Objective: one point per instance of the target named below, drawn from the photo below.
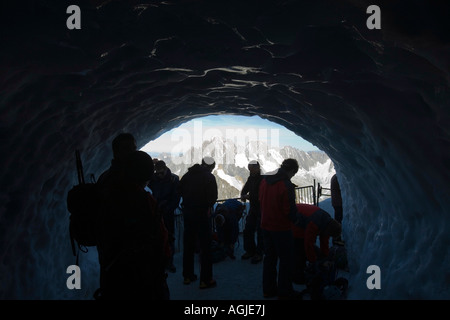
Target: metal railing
(308, 194)
(322, 192)
(304, 194)
(179, 223)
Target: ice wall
(375, 101)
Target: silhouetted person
(250, 191)
(198, 189)
(336, 198)
(314, 267)
(278, 212)
(122, 145)
(164, 187)
(316, 223)
(228, 230)
(133, 238)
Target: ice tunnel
(375, 100)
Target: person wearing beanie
(198, 190)
(250, 191)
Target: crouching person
(312, 222)
(228, 228)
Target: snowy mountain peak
(232, 159)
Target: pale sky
(195, 131)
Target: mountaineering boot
(188, 280)
(247, 255)
(210, 284)
(256, 258)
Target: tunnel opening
(211, 140)
(233, 141)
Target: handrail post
(314, 193)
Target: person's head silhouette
(139, 167)
(122, 145)
(254, 167)
(290, 166)
(209, 163)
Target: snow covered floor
(236, 279)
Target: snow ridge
(232, 159)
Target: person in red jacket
(313, 222)
(278, 212)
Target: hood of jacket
(280, 175)
(196, 168)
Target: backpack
(84, 202)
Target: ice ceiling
(376, 101)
